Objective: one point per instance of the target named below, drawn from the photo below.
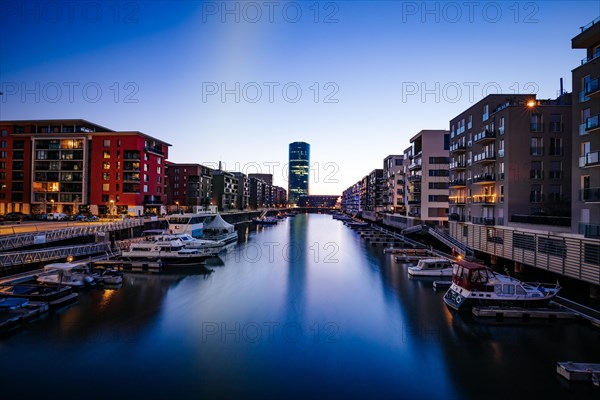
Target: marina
(299, 309)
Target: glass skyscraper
(299, 166)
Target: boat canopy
(471, 275)
(218, 225)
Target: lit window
(106, 187)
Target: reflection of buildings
(299, 166)
(67, 165)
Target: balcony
(488, 156)
(456, 217)
(155, 150)
(456, 165)
(482, 221)
(484, 199)
(541, 220)
(152, 200)
(590, 160)
(536, 174)
(413, 178)
(590, 195)
(583, 97)
(414, 201)
(592, 88)
(590, 58)
(582, 131)
(457, 200)
(416, 164)
(458, 147)
(482, 179)
(457, 183)
(591, 124)
(484, 136)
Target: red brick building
(189, 187)
(75, 165)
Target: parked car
(15, 216)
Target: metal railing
(51, 254)
(10, 242)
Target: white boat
(191, 223)
(70, 274)
(220, 230)
(431, 267)
(169, 252)
(211, 246)
(108, 277)
(474, 284)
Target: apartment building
(74, 165)
(586, 133)
(189, 186)
(393, 175)
(224, 190)
(243, 194)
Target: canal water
(303, 309)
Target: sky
(238, 81)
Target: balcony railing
(484, 136)
(592, 87)
(154, 149)
(590, 160)
(457, 183)
(582, 131)
(414, 201)
(590, 58)
(414, 178)
(536, 174)
(590, 195)
(484, 157)
(541, 220)
(583, 97)
(458, 147)
(458, 165)
(456, 217)
(482, 178)
(592, 123)
(482, 220)
(457, 200)
(588, 26)
(483, 199)
(536, 127)
(415, 164)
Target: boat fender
(459, 299)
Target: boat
(431, 267)
(107, 276)
(475, 284)
(357, 224)
(219, 230)
(72, 274)
(265, 221)
(33, 292)
(342, 217)
(211, 246)
(169, 252)
(190, 223)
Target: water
(304, 309)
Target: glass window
(106, 143)
(106, 187)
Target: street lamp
(112, 207)
(177, 204)
(52, 206)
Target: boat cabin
(472, 276)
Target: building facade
(75, 166)
(299, 168)
(224, 190)
(189, 187)
(586, 134)
(427, 176)
(393, 175)
(243, 194)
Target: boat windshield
(179, 220)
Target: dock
(579, 372)
(11, 318)
(524, 313)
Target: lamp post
(112, 207)
(52, 205)
(177, 204)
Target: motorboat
(108, 276)
(431, 267)
(475, 284)
(357, 224)
(342, 217)
(171, 251)
(211, 246)
(72, 274)
(36, 292)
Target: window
(118, 176)
(106, 165)
(158, 170)
(501, 127)
(555, 146)
(118, 142)
(145, 188)
(536, 123)
(106, 187)
(555, 123)
(3, 154)
(552, 247)
(537, 147)
(535, 196)
(105, 198)
(470, 123)
(4, 133)
(486, 110)
(146, 157)
(146, 167)
(106, 142)
(439, 160)
(555, 170)
(439, 172)
(3, 144)
(555, 193)
(146, 178)
(158, 179)
(536, 170)
(106, 176)
(106, 154)
(522, 241)
(501, 197)
(439, 185)
(158, 160)
(117, 188)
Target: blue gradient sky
(165, 55)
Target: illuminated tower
(299, 166)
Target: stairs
(451, 242)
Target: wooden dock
(579, 372)
(524, 313)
